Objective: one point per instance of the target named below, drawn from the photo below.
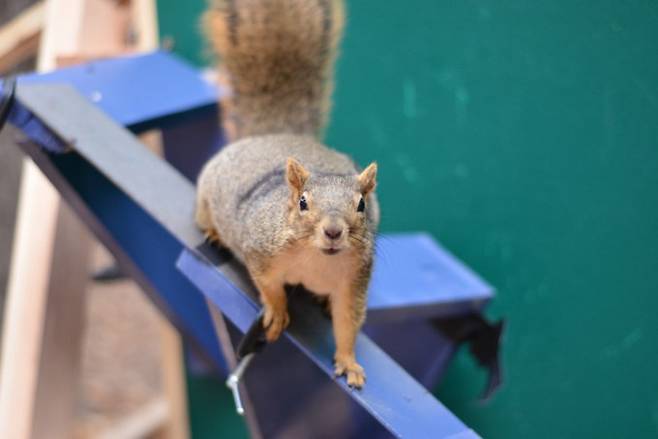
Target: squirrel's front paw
(347, 365)
(274, 322)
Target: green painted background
(524, 136)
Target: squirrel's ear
(296, 175)
(368, 178)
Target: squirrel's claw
(356, 377)
(212, 236)
(274, 323)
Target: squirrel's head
(332, 212)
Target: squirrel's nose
(333, 232)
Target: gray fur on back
(247, 192)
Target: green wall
(524, 136)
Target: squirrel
(291, 209)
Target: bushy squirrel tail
(278, 58)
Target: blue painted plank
(400, 403)
(189, 145)
(391, 395)
(415, 276)
(137, 89)
(143, 248)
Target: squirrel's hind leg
(203, 220)
(325, 304)
(212, 236)
(275, 306)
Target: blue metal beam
(402, 405)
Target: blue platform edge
(419, 254)
(416, 277)
(401, 404)
(138, 92)
(416, 412)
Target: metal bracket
(252, 343)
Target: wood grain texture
(44, 318)
(19, 39)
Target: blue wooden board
(136, 90)
(391, 395)
(415, 277)
(400, 403)
(145, 250)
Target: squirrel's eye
(362, 205)
(303, 205)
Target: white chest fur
(320, 273)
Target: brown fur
(278, 57)
(301, 43)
